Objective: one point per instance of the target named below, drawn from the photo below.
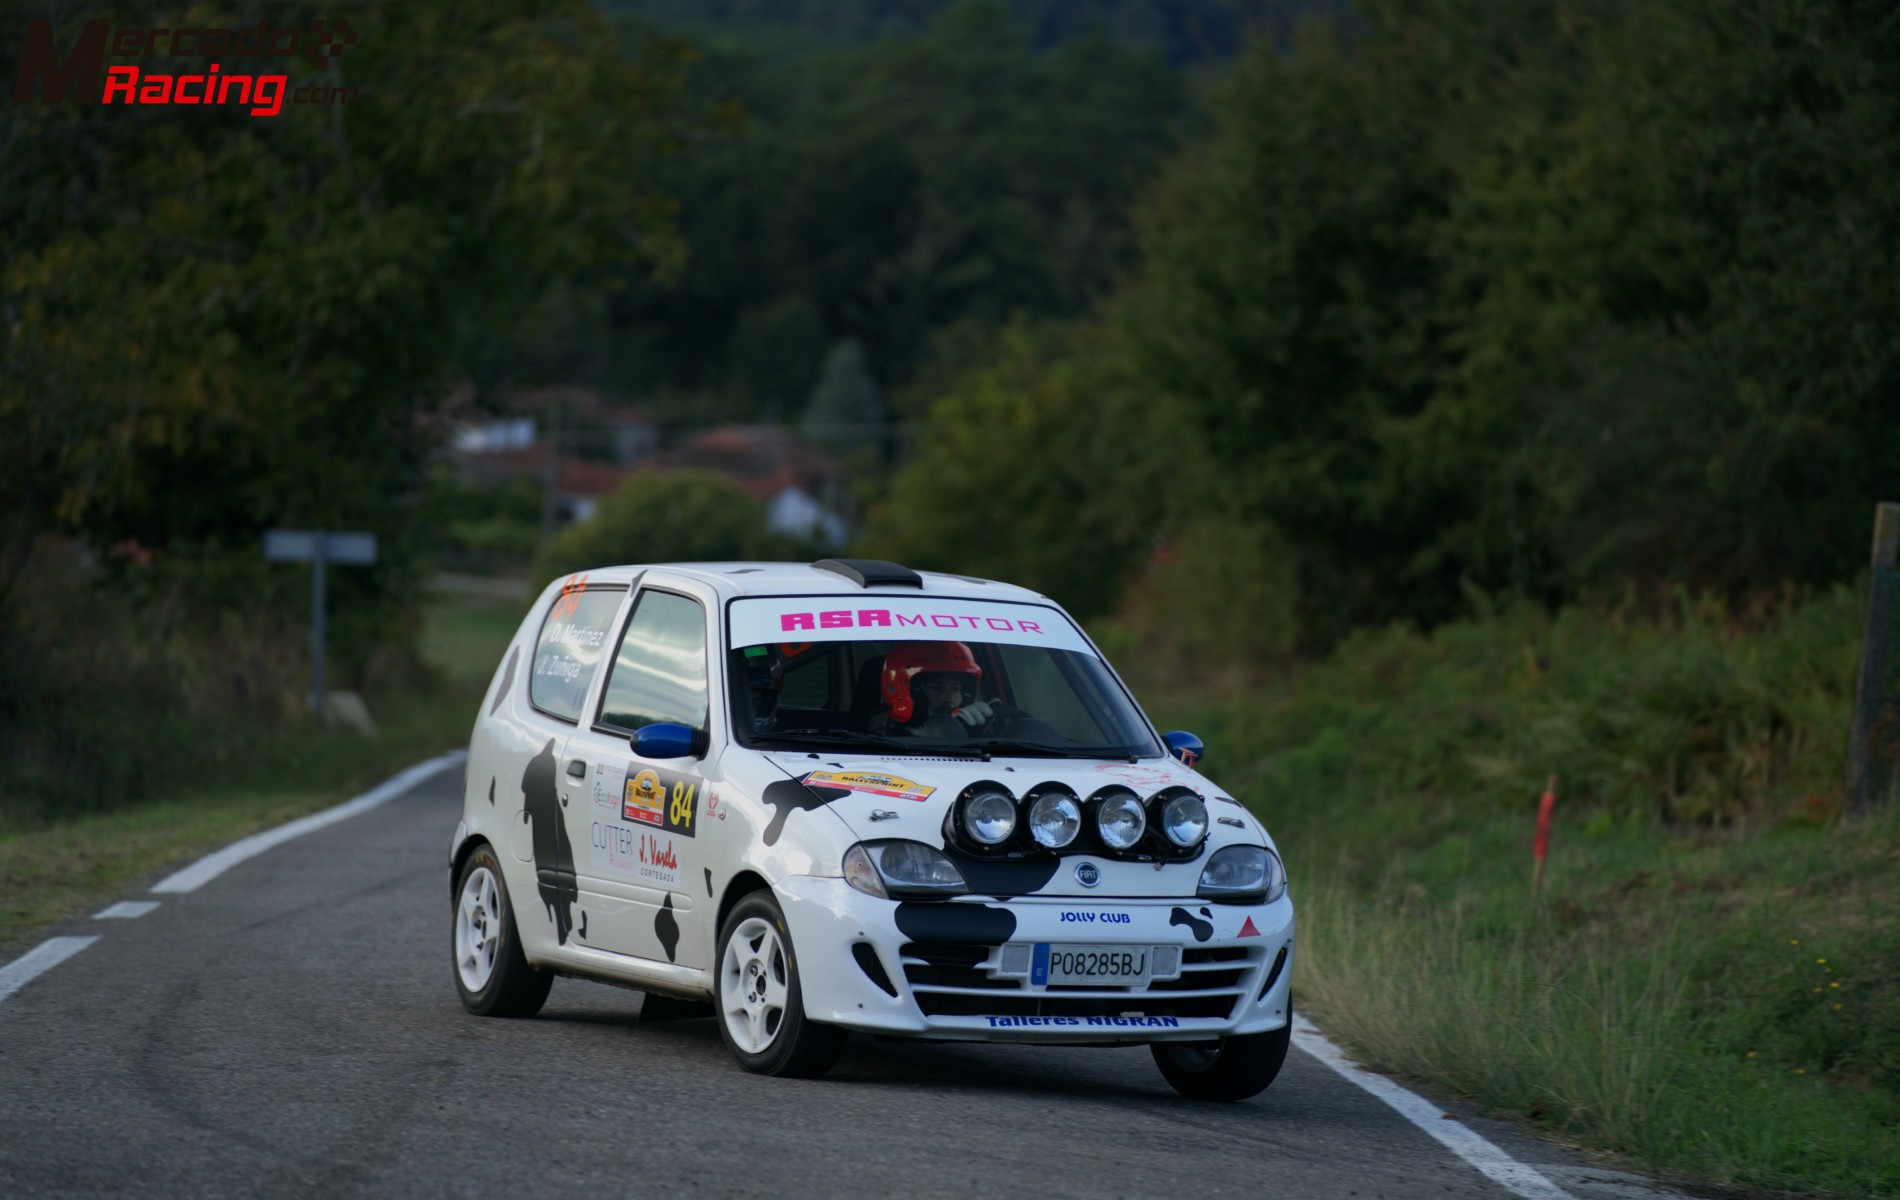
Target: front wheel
(761, 1006)
(1229, 1068)
(491, 973)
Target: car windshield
(924, 694)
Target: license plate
(1113, 966)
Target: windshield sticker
(660, 799)
(872, 783)
(768, 621)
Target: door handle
(576, 769)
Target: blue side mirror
(1185, 746)
(666, 739)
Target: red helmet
(904, 663)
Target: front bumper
(941, 959)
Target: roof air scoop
(871, 572)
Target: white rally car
(851, 796)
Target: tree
(846, 411)
(215, 323)
(671, 516)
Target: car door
(640, 827)
(573, 640)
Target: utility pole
(1871, 698)
(552, 477)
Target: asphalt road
(291, 1029)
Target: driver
(930, 689)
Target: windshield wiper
(1028, 749)
(861, 738)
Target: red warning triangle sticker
(1248, 930)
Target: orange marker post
(1540, 845)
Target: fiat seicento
(812, 799)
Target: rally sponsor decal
(606, 796)
(1083, 1022)
(772, 620)
(1070, 917)
(631, 851)
(872, 783)
(660, 799)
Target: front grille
(952, 980)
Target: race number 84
(679, 813)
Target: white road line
(40, 959)
(125, 910)
(1509, 1174)
(217, 863)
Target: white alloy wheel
(755, 985)
(477, 929)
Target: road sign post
(319, 547)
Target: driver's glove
(978, 713)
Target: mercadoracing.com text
(263, 91)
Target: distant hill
(1184, 31)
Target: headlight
(1243, 873)
(989, 818)
(1120, 820)
(1184, 819)
(887, 869)
(1054, 819)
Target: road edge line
(39, 960)
(195, 876)
(1520, 1179)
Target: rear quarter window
(573, 640)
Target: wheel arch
(738, 888)
(459, 859)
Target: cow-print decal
(553, 855)
(968, 924)
(1202, 930)
(507, 681)
(788, 796)
(1004, 877)
(709, 890)
(491, 789)
(667, 928)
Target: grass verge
(51, 871)
(1709, 983)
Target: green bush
(1709, 980)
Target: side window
(572, 643)
(660, 672)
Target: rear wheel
(1229, 1068)
(491, 973)
(761, 1008)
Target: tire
(760, 1005)
(491, 973)
(1233, 1068)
